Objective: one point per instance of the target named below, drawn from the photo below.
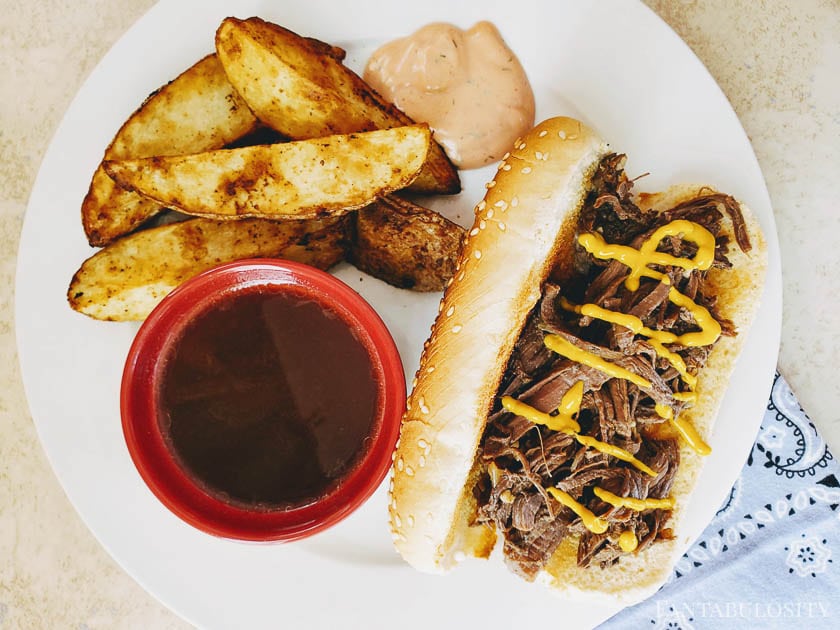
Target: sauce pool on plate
(467, 85)
(268, 399)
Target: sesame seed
(502, 226)
(514, 202)
(440, 306)
(506, 167)
(521, 145)
(461, 276)
(506, 155)
(423, 407)
(397, 520)
(409, 471)
(457, 328)
(526, 170)
(477, 254)
(482, 224)
(422, 461)
(481, 205)
(430, 369)
(543, 133)
(400, 464)
(474, 232)
(490, 184)
(538, 155)
(562, 134)
(421, 443)
(410, 520)
(490, 212)
(449, 311)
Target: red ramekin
(139, 401)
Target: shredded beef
(523, 459)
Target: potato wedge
(406, 245)
(303, 179)
(293, 86)
(125, 280)
(197, 111)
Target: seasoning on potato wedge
(294, 85)
(125, 280)
(197, 111)
(303, 179)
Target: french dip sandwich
(564, 399)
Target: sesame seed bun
(523, 231)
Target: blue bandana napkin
(771, 556)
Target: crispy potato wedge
(293, 86)
(302, 179)
(125, 280)
(406, 245)
(197, 111)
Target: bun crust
(528, 212)
(523, 230)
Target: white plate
(613, 64)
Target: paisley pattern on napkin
(769, 558)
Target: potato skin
(298, 86)
(197, 111)
(125, 280)
(406, 245)
(302, 179)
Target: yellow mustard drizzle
(628, 541)
(639, 259)
(570, 404)
(637, 505)
(709, 328)
(562, 346)
(617, 452)
(686, 430)
(555, 423)
(631, 322)
(593, 523)
(679, 365)
(686, 396)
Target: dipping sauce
(467, 85)
(267, 399)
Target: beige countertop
(776, 61)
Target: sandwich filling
(583, 439)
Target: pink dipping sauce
(467, 85)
